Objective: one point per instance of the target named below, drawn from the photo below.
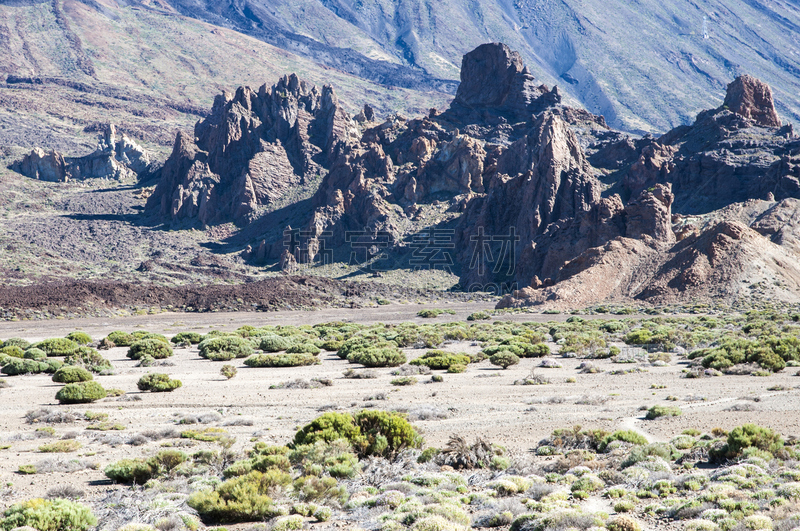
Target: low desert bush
(182, 338)
(225, 348)
(66, 446)
(154, 348)
(228, 371)
(17, 366)
(504, 359)
(378, 357)
(89, 359)
(441, 360)
(274, 343)
(81, 338)
(752, 436)
(139, 471)
(624, 436)
(35, 354)
(663, 411)
(281, 360)
(24, 344)
(48, 515)
(80, 393)
(240, 499)
(370, 432)
(57, 346)
(121, 339)
(70, 374)
(303, 348)
(157, 383)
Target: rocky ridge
(532, 193)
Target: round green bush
(240, 499)
(663, 411)
(24, 344)
(303, 348)
(378, 357)
(81, 338)
(48, 515)
(225, 348)
(70, 374)
(157, 383)
(57, 346)
(186, 337)
(504, 359)
(17, 366)
(13, 351)
(281, 360)
(120, 338)
(274, 343)
(228, 371)
(138, 471)
(35, 354)
(144, 334)
(370, 432)
(154, 348)
(89, 359)
(751, 435)
(441, 360)
(81, 393)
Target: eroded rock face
(120, 159)
(251, 150)
(751, 98)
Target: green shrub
(65, 446)
(479, 316)
(274, 343)
(303, 348)
(138, 335)
(121, 339)
(137, 471)
(281, 360)
(225, 348)
(48, 515)
(663, 411)
(80, 393)
(57, 346)
(369, 432)
(16, 342)
(504, 359)
(622, 435)
(186, 337)
(89, 359)
(228, 371)
(69, 374)
(378, 357)
(157, 383)
(240, 499)
(441, 360)
(13, 351)
(641, 336)
(753, 436)
(403, 381)
(35, 354)
(152, 347)
(81, 338)
(17, 366)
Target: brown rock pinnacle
(751, 98)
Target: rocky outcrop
(540, 179)
(496, 84)
(254, 148)
(116, 158)
(751, 98)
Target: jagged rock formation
(532, 193)
(730, 154)
(251, 150)
(119, 159)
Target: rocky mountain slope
(507, 188)
(69, 68)
(649, 65)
